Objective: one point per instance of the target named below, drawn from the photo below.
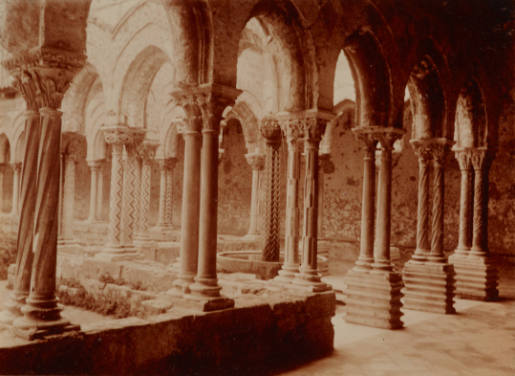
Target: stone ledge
(183, 342)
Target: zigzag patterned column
(271, 131)
(147, 152)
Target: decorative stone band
(123, 135)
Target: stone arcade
(350, 150)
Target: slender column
(257, 163)
(147, 153)
(313, 130)
(2, 176)
(465, 229)
(326, 167)
(24, 240)
(424, 154)
(271, 131)
(68, 198)
(437, 228)
(100, 191)
(293, 130)
(130, 191)
(116, 136)
(366, 250)
(481, 164)
(15, 209)
(206, 283)
(42, 313)
(190, 191)
(384, 200)
(94, 167)
(166, 192)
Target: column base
(41, 319)
(183, 283)
(285, 276)
(428, 287)
(373, 298)
(476, 276)
(207, 297)
(310, 281)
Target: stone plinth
(476, 277)
(373, 298)
(428, 287)
(262, 332)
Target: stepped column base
(428, 287)
(373, 298)
(476, 277)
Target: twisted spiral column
(439, 149)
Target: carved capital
(256, 161)
(270, 130)
(292, 127)
(386, 136)
(481, 158)
(431, 149)
(463, 158)
(167, 163)
(367, 136)
(313, 128)
(123, 135)
(147, 150)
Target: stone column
(2, 176)
(190, 191)
(130, 189)
(147, 153)
(481, 164)
(424, 154)
(117, 136)
(326, 168)
(373, 288)
(465, 229)
(293, 129)
(308, 276)
(384, 201)
(428, 278)
(27, 191)
(68, 199)
(212, 103)
(437, 228)
(257, 163)
(271, 131)
(166, 193)
(15, 210)
(366, 250)
(94, 167)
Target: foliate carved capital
(481, 158)
(147, 150)
(167, 163)
(314, 128)
(428, 149)
(292, 128)
(270, 130)
(386, 136)
(256, 161)
(367, 136)
(464, 160)
(123, 135)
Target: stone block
(373, 298)
(428, 287)
(477, 277)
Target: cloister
(359, 150)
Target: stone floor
(478, 340)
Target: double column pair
(373, 287)
(33, 309)
(428, 278)
(476, 271)
(197, 280)
(124, 142)
(307, 128)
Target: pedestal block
(429, 287)
(373, 298)
(476, 277)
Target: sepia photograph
(257, 187)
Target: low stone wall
(251, 338)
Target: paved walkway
(478, 340)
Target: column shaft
(465, 229)
(94, 168)
(146, 172)
(161, 215)
(437, 225)
(366, 251)
(68, 198)
(16, 189)
(190, 202)
(115, 197)
(480, 223)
